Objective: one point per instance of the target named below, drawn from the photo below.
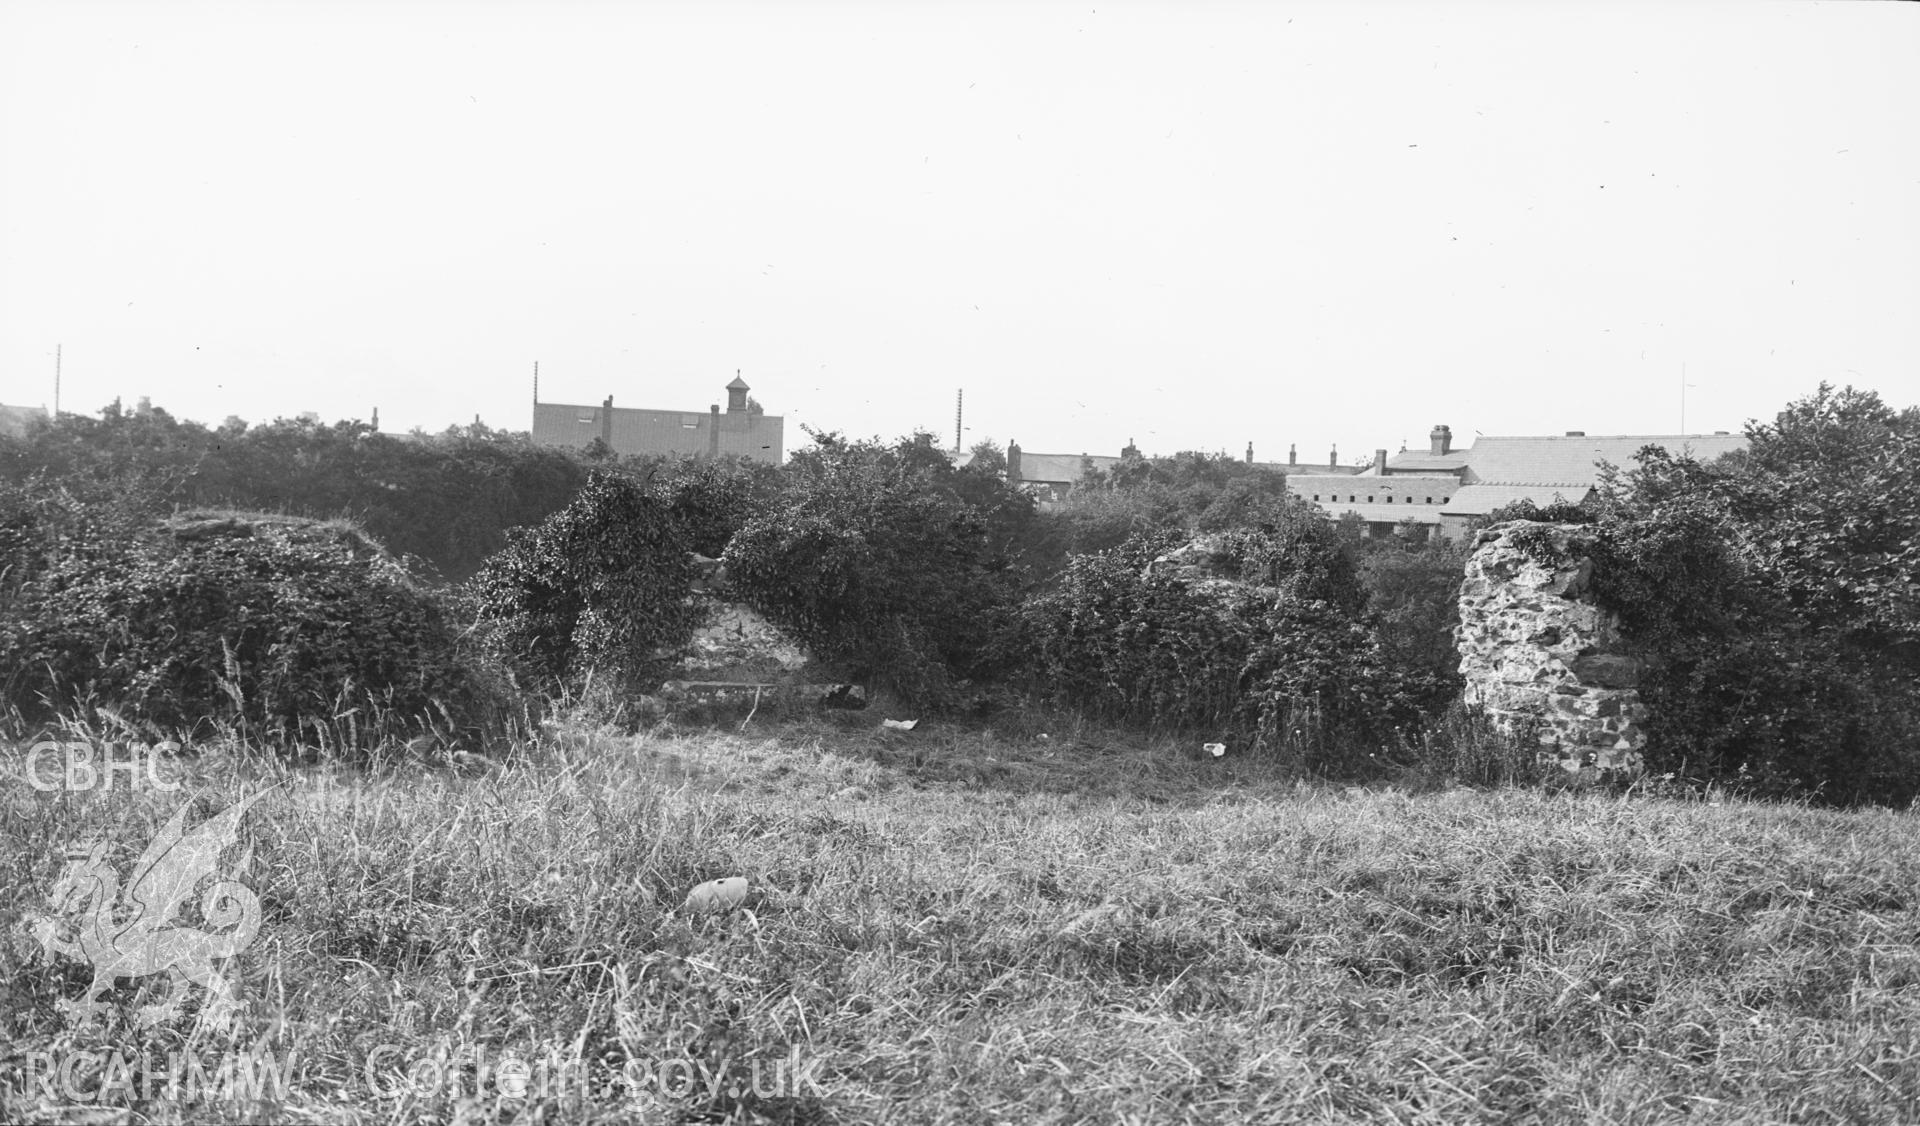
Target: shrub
(1257, 660)
(293, 633)
(1413, 598)
(709, 499)
(599, 587)
(874, 559)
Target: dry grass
(985, 926)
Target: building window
(1444, 500)
(1369, 498)
(1316, 496)
(1429, 500)
(1351, 498)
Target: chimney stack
(1380, 463)
(606, 422)
(1333, 457)
(1442, 439)
(1576, 433)
(1293, 454)
(1249, 453)
(1013, 461)
(713, 431)
(1130, 449)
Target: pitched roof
(1575, 460)
(15, 420)
(1425, 462)
(1478, 500)
(738, 384)
(1059, 468)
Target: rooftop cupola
(737, 394)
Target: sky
(1192, 226)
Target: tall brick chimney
(713, 431)
(1442, 440)
(606, 422)
(1333, 457)
(1293, 454)
(1013, 461)
(1380, 463)
(1249, 453)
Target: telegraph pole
(959, 402)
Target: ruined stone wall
(1538, 655)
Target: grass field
(977, 925)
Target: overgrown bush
(875, 558)
(1413, 599)
(1257, 662)
(599, 588)
(295, 634)
(1191, 492)
(709, 499)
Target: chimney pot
(1442, 440)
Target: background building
(1441, 488)
(15, 421)
(1051, 476)
(743, 430)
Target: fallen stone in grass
(718, 895)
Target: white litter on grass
(718, 895)
(900, 724)
(1215, 749)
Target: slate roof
(1409, 462)
(1421, 485)
(1574, 460)
(15, 420)
(1478, 500)
(1556, 459)
(1059, 469)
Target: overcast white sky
(1193, 225)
